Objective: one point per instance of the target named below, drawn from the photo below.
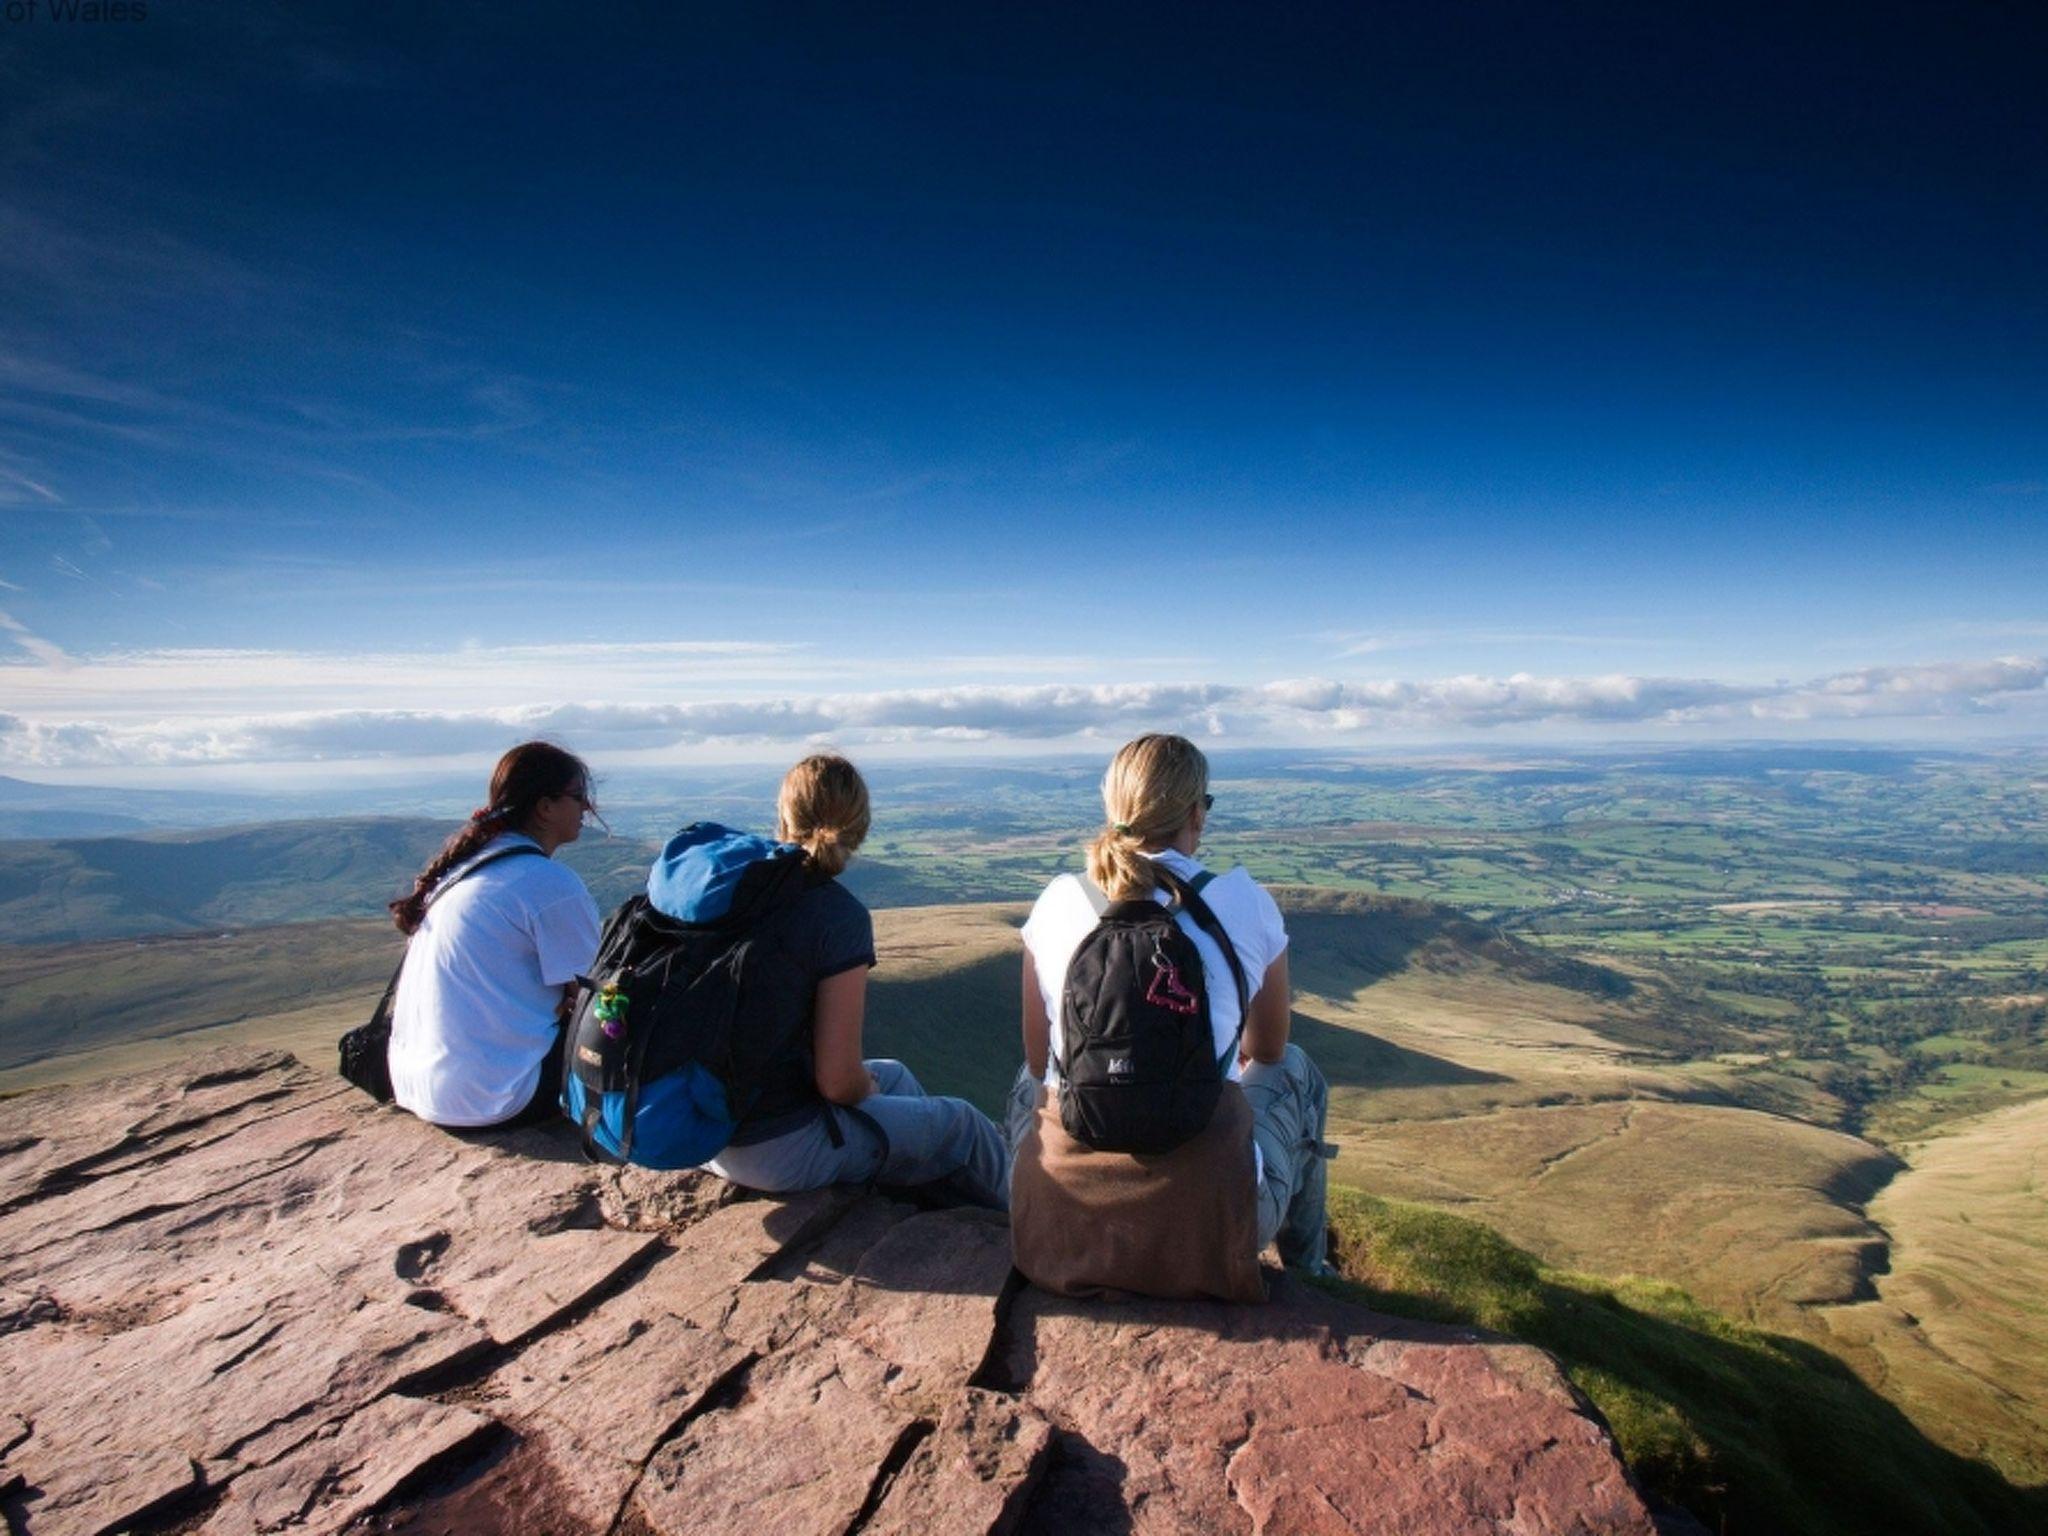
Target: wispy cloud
(2016, 629)
(1288, 710)
(1348, 643)
(45, 652)
(13, 482)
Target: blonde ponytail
(1153, 785)
(823, 807)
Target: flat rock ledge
(239, 1297)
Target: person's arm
(837, 1065)
(1265, 1032)
(1037, 1024)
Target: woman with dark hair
(496, 939)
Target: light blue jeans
(1290, 1102)
(901, 1135)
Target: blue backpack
(690, 1002)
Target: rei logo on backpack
(1138, 1066)
(689, 1003)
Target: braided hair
(525, 776)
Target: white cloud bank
(1297, 710)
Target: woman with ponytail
(496, 939)
(1156, 1222)
(830, 1115)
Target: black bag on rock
(366, 1049)
(1138, 1065)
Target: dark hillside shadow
(1337, 953)
(957, 1031)
(1345, 941)
(1352, 1058)
(1752, 1432)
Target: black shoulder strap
(1189, 894)
(511, 852)
(383, 1013)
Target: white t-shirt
(476, 1007)
(1063, 916)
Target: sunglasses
(1208, 802)
(581, 795)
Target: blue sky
(689, 381)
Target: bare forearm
(1266, 1031)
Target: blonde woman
(1137, 1221)
(828, 1114)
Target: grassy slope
(1751, 1431)
(1958, 1324)
(59, 1000)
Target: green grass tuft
(1751, 1431)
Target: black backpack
(366, 1049)
(1138, 1068)
(680, 1023)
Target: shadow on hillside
(1337, 954)
(1346, 941)
(1353, 1058)
(958, 1031)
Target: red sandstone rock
(237, 1298)
(973, 1475)
(347, 1470)
(1290, 1418)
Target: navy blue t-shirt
(826, 931)
(830, 931)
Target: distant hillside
(83, 889)
(32, 810)
(86, 889)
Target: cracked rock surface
(237, 1297)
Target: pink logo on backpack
(1168, 991)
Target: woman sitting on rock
(828, 1115)
(496, 939)
(1153, 1155)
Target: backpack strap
(382, 1017)
(493, 857)
(1189, 896)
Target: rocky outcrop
(241, 1298)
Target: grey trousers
(1290, 1102)
(901, 1135)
